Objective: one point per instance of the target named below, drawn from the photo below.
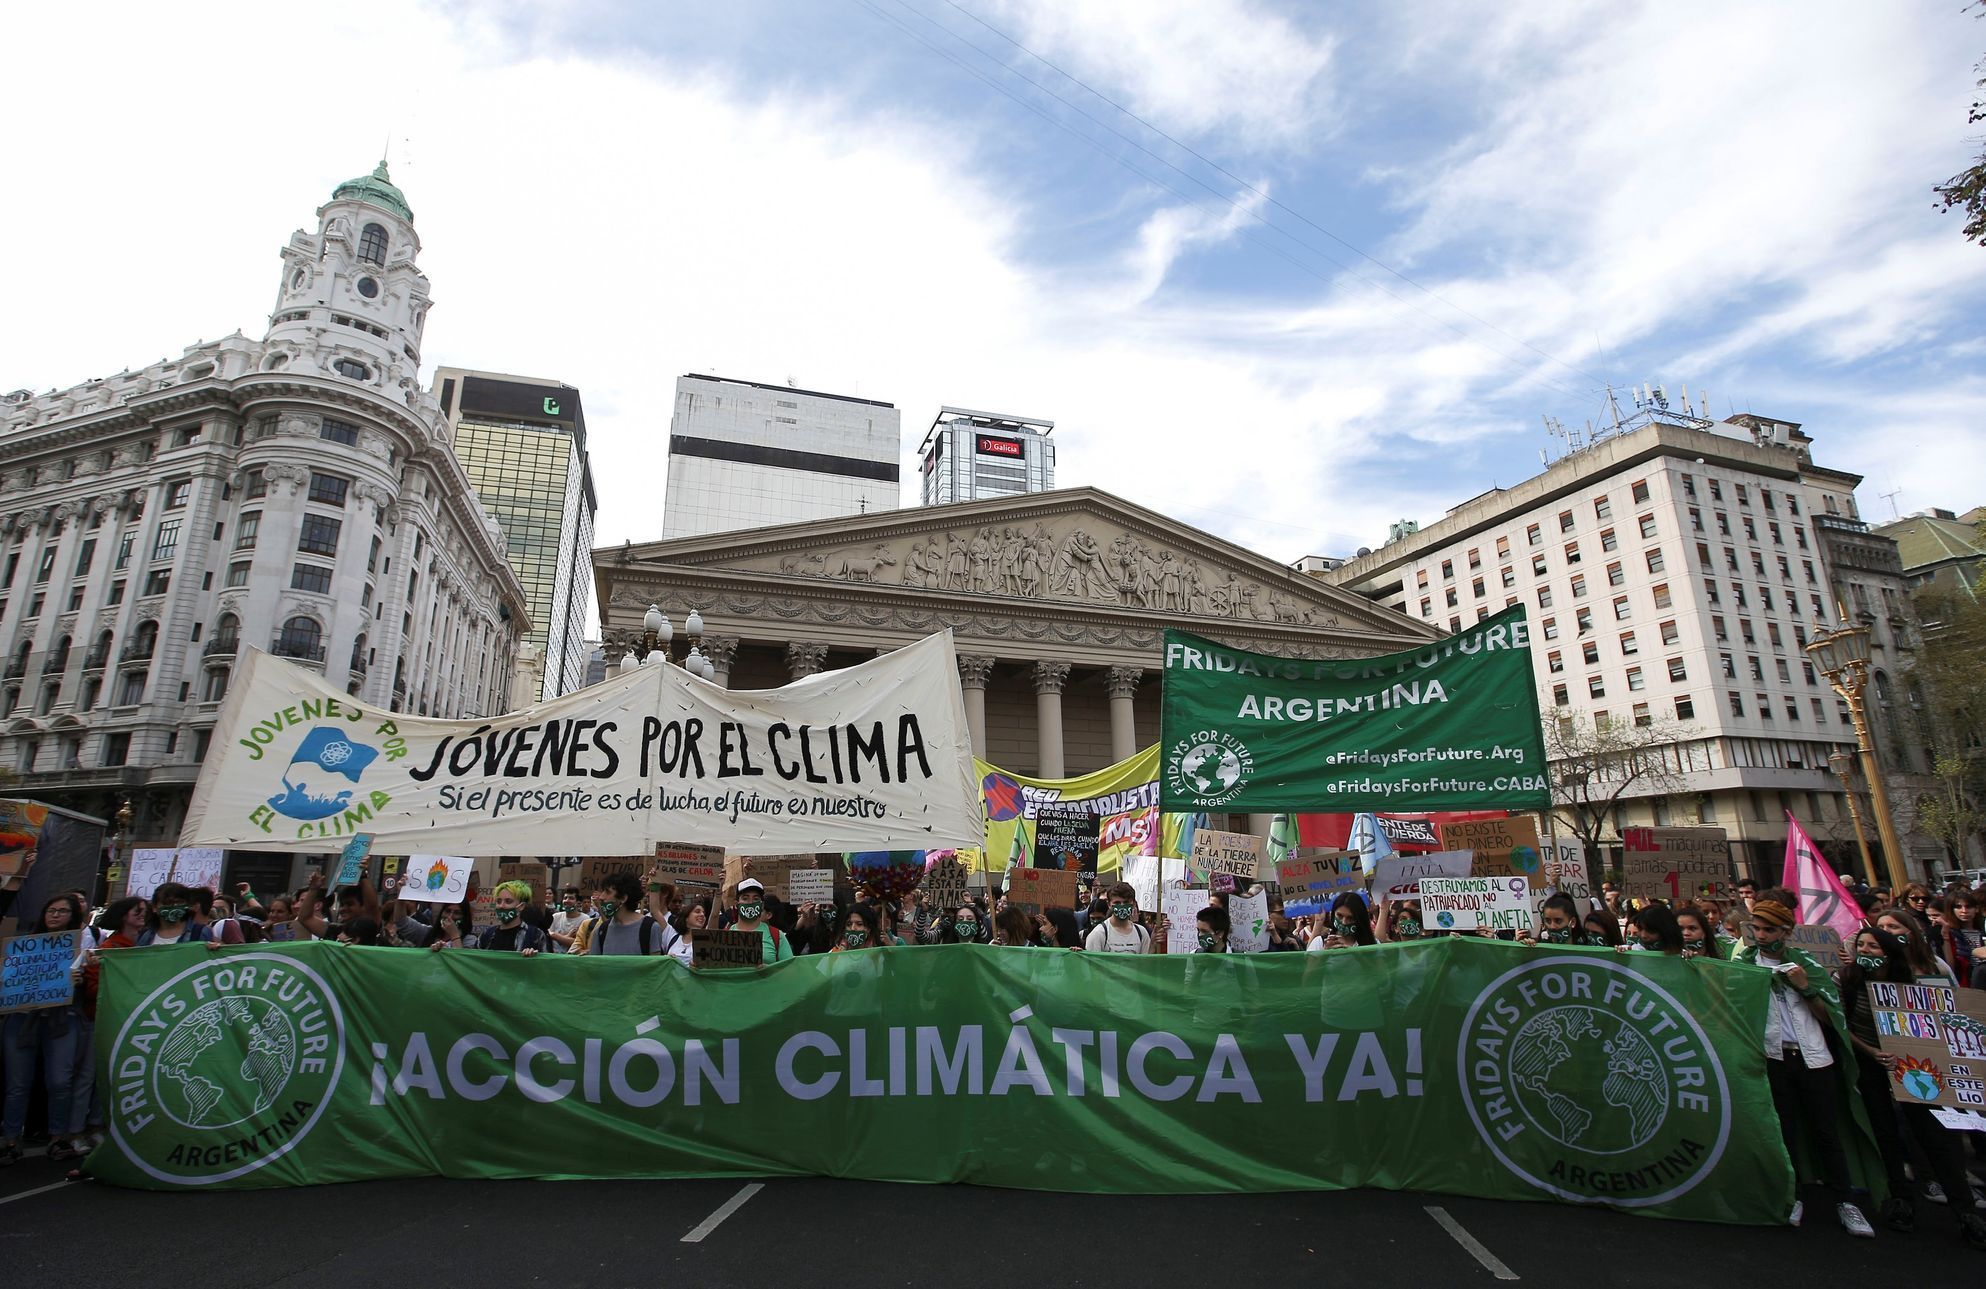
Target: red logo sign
(999, 447)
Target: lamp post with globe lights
(656, 643)
(1843, 657)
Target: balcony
(16, 668)
(297, 650)
(56, 664)
(222, 647)
(97, 658)
(139, 652)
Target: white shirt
(1106, 938)
(1788, 1020)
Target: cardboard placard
(727, 949)
(1066, 837)
(1502, 847)
(1566, 868)
(1938, 1034)
(1398, 877)
(776, 871)
(944, 885)
(599, 868)
(195, 866)
(1238, 854)
(810, 886)
(1313, 878)
(437, 879)
(531, 873)
(1182, 905)
(1469, 903)
(1677, 864)
(685, 865)
(34, 972)
(1036, 890)
(1819, 939)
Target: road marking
(1491, 1263)
(724, 1210)
(39, 1190)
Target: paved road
(797, 1233)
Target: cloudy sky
(1288, 271)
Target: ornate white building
(295, 493)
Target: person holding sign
(1656, 930)
(625, 927)
(1558, 919)
(1211, 929)
(170, 921)
(1799, 1066)
(1402, 921)
(965, 926)
(55, 1041)
(1880, 957)
(751, 917)
(1121, 932)
(1349, 923)
(1699, 934)
(451, 928)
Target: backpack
(597, 941)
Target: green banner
(1452, 725)
(1462, 1065)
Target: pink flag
(1823, 899)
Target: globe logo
(1920, 1078)
(1211, 769)
(225, 1067)
(1524, 859)
(1589, 1080)
(337, 753)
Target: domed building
(294, 493)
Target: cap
(1772, 913)
(751, 884)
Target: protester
(452, 927)
(54, 1042)
(857, 929)
(1880, 956)
(218, 916)
(966, 926)
(1748, 891)
(628, 926)
(1656, 930)
(360, 930)
(1800, 1068)
(567, 921)
(1602, 929)
(1211, 929)
(692, 916)
(1917, 898)
(1700, 939)
(1014, 928)
(511, 934)
(1558, 924)
(278, 921)
(1402, 921)
(170, 918)
(751, 917)
(1925, 966)
(1350, 923)
(1120, 931)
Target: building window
(1616, 576)
(1634, 679)
(1537, 566)
(1535, 535)
(1427, 605)
(1555, 662)
(177, 492)
(1596, 686)
(1475, 558)
(340, 431)
(1565, 521)
(1792, 709)
(1820, 711)
(1695, 519)
(1453, 599)
(1737, 702)
(256, 486)
(1764, 706)
(1678, 669)
(214, 687)
(1585, 621)
(1656, 564)
(1669, 632)
(237, 576)
(1589, 652)
(311, 577)
(328, 489)
(1560, 698)
(1503, 548)
(246, 530)
(1572, 552)
(319, 535)
(1723, 524)
(1716, 490)
(1640, 491)
(167, 540)
(116, 748)
(45, 569)
(157, 581)
(351, 369)
(1509, 576)
(1476, 588)
(1643, 720)
(1662, 600)
(131, 690)
(301, 638)
(1608, 542)
(116, 595)
(1730, 663)
(1620, 608)
(1629, 645)
(1807, 672)
(85, 556)
(1420, 574)
(1685, 708)
(1579, 586)
(1447, 565)
(1550, 628)
(1603, 508)
(372, 244)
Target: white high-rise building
(1672, 574)
(744, 455)
(974, 456)
(294, 494)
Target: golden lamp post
(1843, 765)
(1843, 657)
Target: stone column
(805, 657)
(975, 669)
(1049, 677)
(1123, 683)
(722, 651)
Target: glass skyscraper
(522, 442)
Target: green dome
(376, 188)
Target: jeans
(83, 1076)
(44, 1040)
(1810, 1099)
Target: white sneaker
(1935, 1193)
(1853, 1222)
(1799, 1211)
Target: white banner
(872, 757)
(1398, 876)
(437, 879)
(192, 867)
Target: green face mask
(1407, 929)
(1870, 962)
(1124, 912)
(507, 916)
(966, 928)
(1343, 929)
(1562, 935)
(854, 939)
(172, 914)
(751, 912)
(567, 908)
(607, 907)
(1206, 939)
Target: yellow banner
(1128, 788)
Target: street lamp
(656, 644)
(1843, 765)
(1843, 657)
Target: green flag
(1452, 725)
(1469, 1066)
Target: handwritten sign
(945, 884)
(1472, 903)
(1565, 869)
(727, 948)
(1238, 854)
(1037, 890)
(1502, 847)
(1313, 878)
(1398, 877)
(195, 866)
(1248, 923)
(810, 886)
(1066, 837)
(34, 971)
(594, 871)
(1819, 939)
(1677, 864)
(437, 879)
(684, 865)
(531, 873)
(1182, 905)
(1938, 1035)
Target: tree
(1949, 814)
(1595, 765)
(1951, 676)
(1966, 190)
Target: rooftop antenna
(1891, 497)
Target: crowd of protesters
(1920, 936)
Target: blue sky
(1733, 196)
